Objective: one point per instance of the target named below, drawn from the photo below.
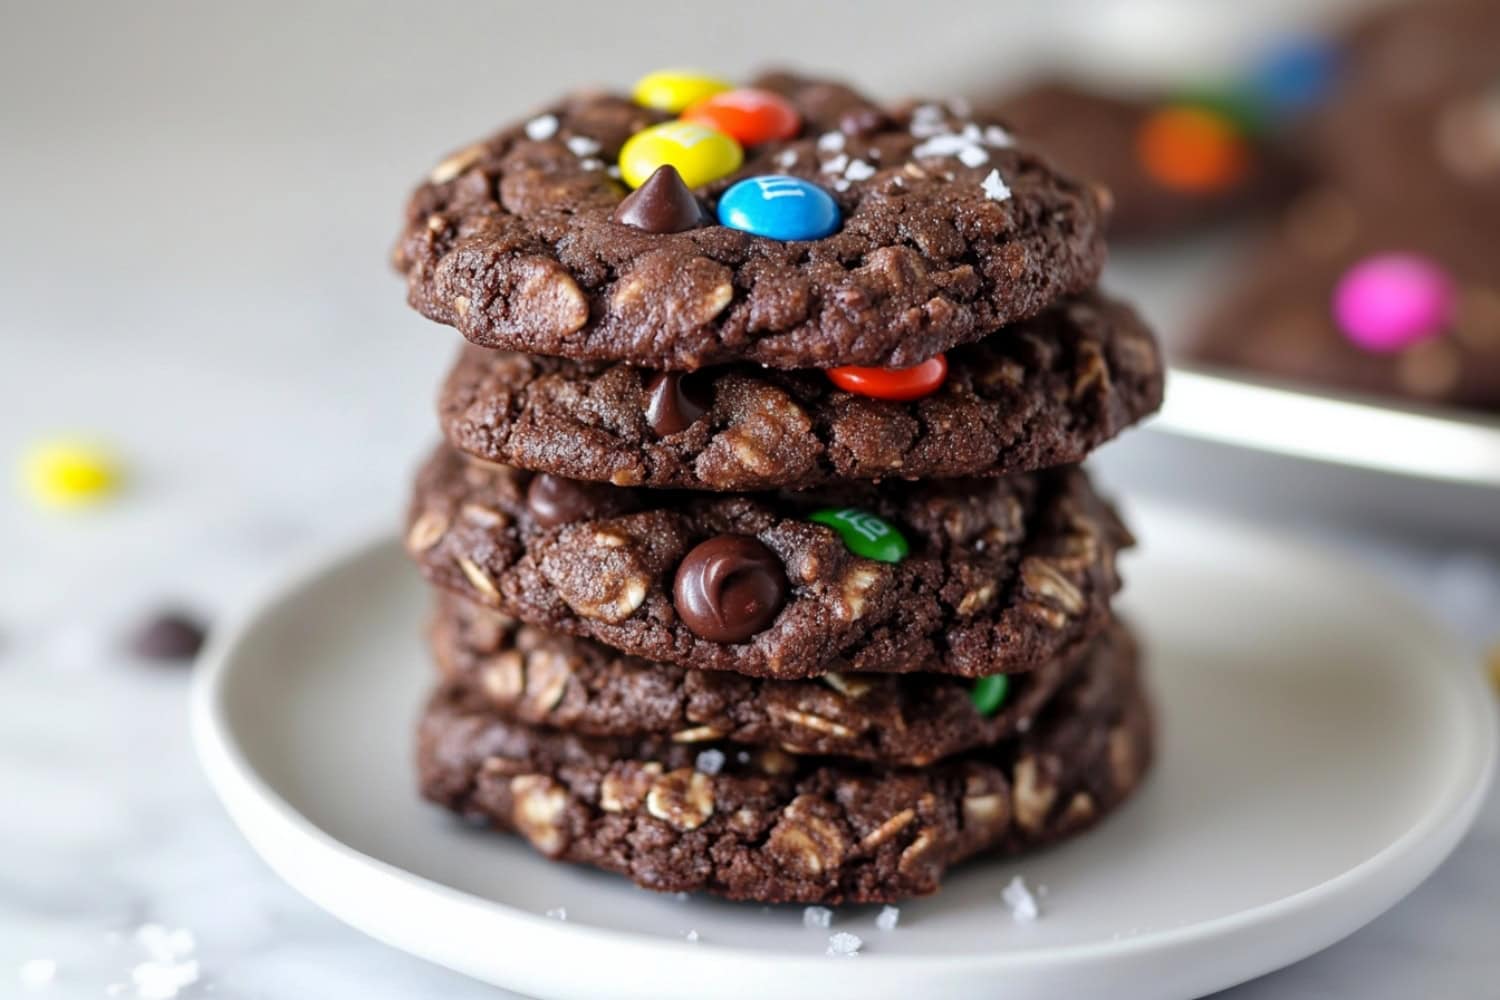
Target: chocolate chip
(729, 588)
(169, 635)
(663, 204)
(554, 500)
(675, 401)
(863, 120)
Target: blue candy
(780, 208)
(1296, 75)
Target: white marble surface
(196, 203)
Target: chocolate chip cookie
(943, 231)
(535, 677)
(1041, 393)
(968, 577)
(767, 826)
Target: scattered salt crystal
(743, 756)
(837, 164)
(817, 916)
(859, 170)
(844, 944)
(541, 127)
(613, 170)
(942, 144)
(841, 185)
(831, 142)
(691, 937)
(994, 187)
(888, 918)
(973, 156)
(1023, 908)
(558, 913)
(710, 761)
(37, 973)
(591, 163)
(927, 120)
(786, 158)
(157, 980)
(582, 145)
(994, 135)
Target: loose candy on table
(779, 208)
(701, 154)
(69, 473)
(750, 116)
(1391, 301)
(662, 205)
(1295, 75)
(672, 90)
(864, 534)
(899, 384)
(988, 693)
(1192, 149)
(729, 588)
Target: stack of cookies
(765, 564)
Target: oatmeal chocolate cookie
(945, 233)
(1169, 167)
(766, 826)
(969, 577)
(1044, 392)
(532, 676)
(1367, 299)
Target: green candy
(865, 534)
(989, 693)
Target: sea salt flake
(817, 916)
(945, 143)
(786, 158)
(37, 973)
(888, 918)
(837, 164)
(591, 163)
(994, 135)
(994, 187)
(831, 142)
(558, 913)
(710, 761)
(841, 184)
(582, 145)
(613, 170)
(844, 945)
(1023, 908)
(541, 127)
(973, 156)
(859, 170)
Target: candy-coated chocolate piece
(1192, 149)
(671, 90)
(988, 693)
(864, 534)
(662, 205)
(1391, 301)
(701, 154)
(750, 116)
(675, 401)
(729, 588)
(780, 208)
(69, 473)
(901, 384)
(1295, 75)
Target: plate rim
(262, 814)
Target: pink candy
(1390, 301)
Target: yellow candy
(69, 474)
(671, 90)
(700, 154)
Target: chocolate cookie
(943, 233)
(538, 678)
(1044, 392)
(770, 827)
(969, 577)
(1170, 166)
(1364, 298)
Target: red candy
(903, 384)
(751, 116)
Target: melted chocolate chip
(863, 120)
(675, 401)
(729, 588)
(663, 204)
(169, 635)
(554, 500)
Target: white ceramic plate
(1323, 748)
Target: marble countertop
(197, 200)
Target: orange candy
(1192, 149)
(751, 116)
(901, 384)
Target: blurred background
(198, 203)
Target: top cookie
(901, 232)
